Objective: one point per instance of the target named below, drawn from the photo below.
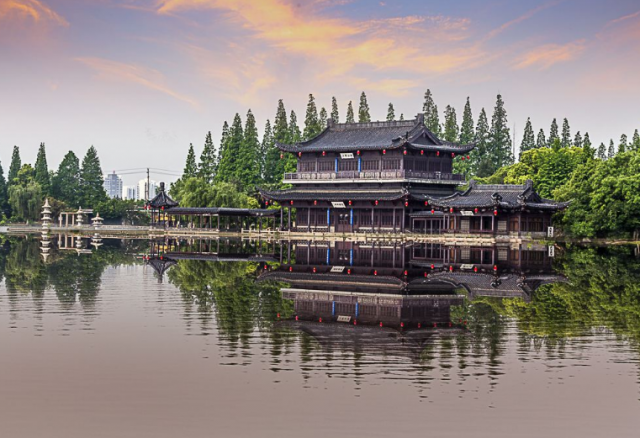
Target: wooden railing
(372, 175)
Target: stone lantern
(46, 214)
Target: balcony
(385, 175)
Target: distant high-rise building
(130, 192)
(113, 185)
(142, 189)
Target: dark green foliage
(65, 184)
(322, 118)
(541, 141)
(274, 165)
(195, 192)
(622, 147)
(553, 132)
(467, 133)
(15, 166)
(25, 195)
(450, 124)
(92, 180)
(223, 143)
(248, 168)
(190, 166)
(577, 140)
(43, 176)
(265, 147)
(586, 141)
(635, 142)
(229, 161)
(500, 137)
(335, 115)
(208, 160)
(312, 125)
(482, 164)
(528, 138)
(391, 114)
(611, 152)
(431, 117)
(350, 116)
(4, 200)
(602, 151)
(363, 109)
(565, 141)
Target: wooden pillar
(281, 218)
(403, 221)
(372, 223)
(394, 220)
(289, 220)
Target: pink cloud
(33, 10)
(543, 57)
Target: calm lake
(225, 338)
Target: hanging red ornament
(281, 156)
(451, 210)
(433, 211)
(404, 152)
(350, 202)
(475, 210)
(437, 153)
(468, 157)
(291, 202)
(421, 152)
(315, 202)
(357, 152)
(495, 212)
(426, 203)
(406, 203)
(453, 155)
(384, 151)
(299, 154)
(376, 202)
(324, 153)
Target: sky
(142, 79)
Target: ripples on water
(201, 351)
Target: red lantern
(451, 210)
(265, 267)
(299, 154)
(468, 157)
(162, 208)
(319, 319)
(324, 153)
(475, 269)
(453, 155)
(291, 202)
(266, 203)
(433, 211)
(450, 268)
(406, 203)
(290, 268)
(350, 203)
(425, 273)
(375, 272)
(315, 202)
(437, 153)
(404, 152)
(495, 212)
(495, 267)
(314, 269)
(421, 152)
(432, 266)
(405, 273)
(376, 202)
(475, 210)
(349, 271)
(401, 324)
(426, 203)
(384, 151)
(357, 152)
(281, 156)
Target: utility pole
(146, 190)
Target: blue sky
(141, 80)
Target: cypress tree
(431, 117)
(248, 165)
(311, 122)
(467, 133)
(65, 184)
(566, 134)
(42, 175)
(207, 167)
(190, 167)
(229, 162)
(295, 136)
(323, 119)
(391, 114)
(401, 117)
(92, 180)
(622, 148)
(14, 167)
(586, 141)
(450, 124)
(363, 109)
(500, 138)
(602, 152)
(635, 143)
(541, 141)
(528, 138)
(265, 146)
(553, 132)
(611, 152)
(223, 143)
(274, 165)
(4, 201)
(577, 140)
(483, 166)
(335, 115)
(350, 116)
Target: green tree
(25, 195)
(295, 136)
(335, 115)
(65, 184)
(92, 180)
(207, 166)
(566, 134)
(611, 152)
(223, 143)
(43, 177)
(363, 109)
(528, 138)
(467, 133)
(553, 132)
(4, 201)
(322, 118)
(274, 165)
(265, 147)
(577, 140)
(450, 124)
(248, 171)
(190, 166)
(602, 151)
(431, 117)
(311, 122)
(391, 114)
(350, 116)
(622, 148)
(229, 162)
(15, 166)
(482, 165)
(635, 143)
(586, 141)
(195, 192)
(541, 141)
(500, 137)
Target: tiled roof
(327, 279)
(222, 211)
(334, 195)
(162, 199)
(375, 136)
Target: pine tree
(248, 165)
(229, 162)
(577, 140)
(208, 160)
(635, 143)
(14, 167)
(602, 151)
(391, 114)
(431, 117)
(482, 165)
(295, 136)
(42, 175)
(274, 165)
(363, 109)
(528, 138)
(401, 117)
(335, 115)
(92, 180)
(65, 184)
(223, 143)
(622, 148)
(586, 141)
(467, 133)
(450, 124)
(500, 138)
(553, 132)
(323, 118)
(311, 122)
(4, 201)
(541, 141)
(190, 167)
(350, 116)
(566, 134)
(611, 152)
(265, 146)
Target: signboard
(338, 205)
(344, 318)
(346, 156)
(466, 266)
(337, 269)
(552, 251)
(550, 232)
(466, 213)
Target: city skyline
(143, 79)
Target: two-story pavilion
(368, 176)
